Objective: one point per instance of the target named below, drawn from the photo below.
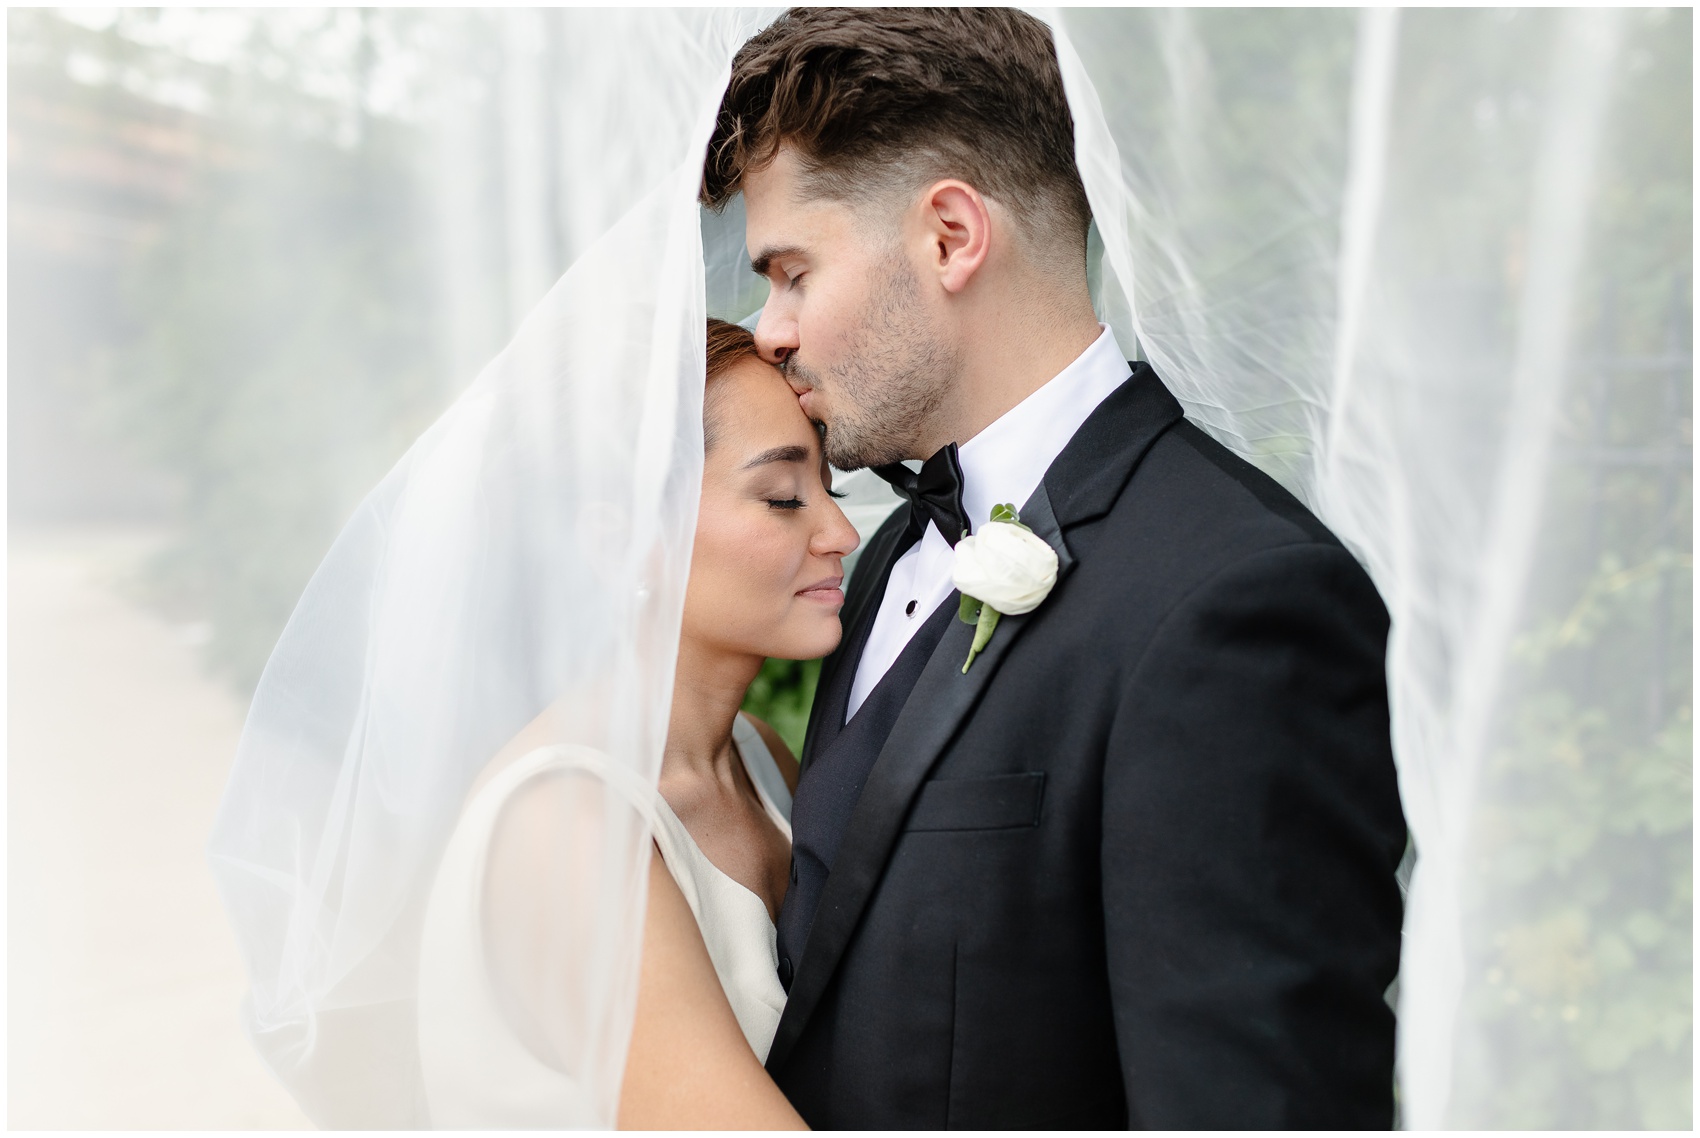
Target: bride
(461, 913)
(766, 580)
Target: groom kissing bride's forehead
(1097, 823)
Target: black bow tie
(934, 495)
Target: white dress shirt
(1003, 463)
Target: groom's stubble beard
(894, 376)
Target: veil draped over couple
(1097, 821)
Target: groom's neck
(1013, 342)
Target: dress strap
(560, 757)
(678, 851)
(764, 770)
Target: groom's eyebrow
(778, 454)
(761, 262)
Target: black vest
(838, 759)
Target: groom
(1134, 865)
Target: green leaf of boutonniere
(968, 611)
(982, 633)
(1005, 512)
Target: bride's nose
(836, 537)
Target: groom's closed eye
(763, 261)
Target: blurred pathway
(123, 977)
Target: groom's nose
(776, 336)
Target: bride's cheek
(760, 546)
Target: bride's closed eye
(786, 503)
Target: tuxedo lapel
(1102, 455)
(861, 604)
(1087, 478)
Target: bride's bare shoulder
(540, 732)
(776, 745)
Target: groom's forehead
(772, 204)
(782, 210)
(782, 224)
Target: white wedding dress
(478, 1073)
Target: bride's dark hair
(728, 344)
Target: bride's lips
(826, 592)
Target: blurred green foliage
(1589, 981)
(276, 346)
(1584, 848)
(279, 404)
(782, 694)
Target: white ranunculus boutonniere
(1005, 568)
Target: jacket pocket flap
(1002, 802)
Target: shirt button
(785, 972)
(909, 609)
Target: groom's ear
(959, 228)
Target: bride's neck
(708, 689)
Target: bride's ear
(959, 228)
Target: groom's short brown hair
(873, 99)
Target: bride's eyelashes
(798, 503)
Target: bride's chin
(831, 634)
(810, 643)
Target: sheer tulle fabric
(530, 551)
(1374, 254)
(1364, 250)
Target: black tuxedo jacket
(1136, 867)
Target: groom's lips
(827, 591)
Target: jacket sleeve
(1251, 832)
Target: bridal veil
(1429, 269)
(529, 552)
